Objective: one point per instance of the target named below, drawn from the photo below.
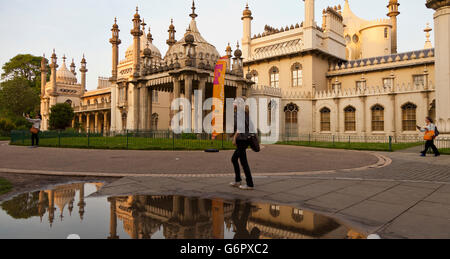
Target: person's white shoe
(246, 188)
(235, 184)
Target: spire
(427, 30)
(72, 67)
(193, 14)
(171, 41)
(149, 35)
(143, 24)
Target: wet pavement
(67, 210)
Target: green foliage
(5, 186)
(16, 98)
(61, 116)
(6, 126)
(24, 206)
(23, 66)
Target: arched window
(274, 210)
(254, 74)
(297, 75)
(291, 120)
(297, 215)
(409, 122)
(69, 102)
(325, 119)
(274, 77)
(155, 118)
(386, 33)
(350, 118)
(377, 118)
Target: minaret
(442, 62)
(81, 203)
(247, 33)
(53, 67)
(171, 41)
(427, 31)
(309, 26)
(309, 14)
(115, 41)
(393, 13)
(149, 36)
(137, 33)
(83, 71)
(229, 51)
(44, 71)
(72, 67)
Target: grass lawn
(133, 143)
(445, 151)
(5, 186)
(4, 138)
(353, 146)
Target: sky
(83, 26)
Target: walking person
(430, 134)
(35, 128)
(241, 142)
(241, 221)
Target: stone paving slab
(414, 226)
(348, 201)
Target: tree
(61, 116)
(16, 98)
(24, 66)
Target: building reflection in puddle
(178, 217)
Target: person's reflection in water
(241, 222)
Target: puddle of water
(65, 211)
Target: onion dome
(144, 40)
(204, 49)
(136, 15)
(63, 75)
(247, 13)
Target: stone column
(113, 219)
(96, 122)
(149, 109)
(364, 122)
(80, 119)
(394, 115)
(239, 91)
(143, 114)
(88, 126)
(105, 122)
(338, 115)
(176, 206)
(442, 62)
(188, 88)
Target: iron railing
(136, 140)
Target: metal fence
(381, 143)
(167, 140)
(136, 140)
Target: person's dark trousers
(430, 144)
(34, 139)
(241, 154)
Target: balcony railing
(92, 107)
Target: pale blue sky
(83, 26)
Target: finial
(237, 45)
(143, 24)
(137, 9)
(64, 58)
(115, 20)
(193, 14)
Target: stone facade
(350, 80)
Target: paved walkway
(397, 195)
(272, 160)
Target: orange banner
(219, 96)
